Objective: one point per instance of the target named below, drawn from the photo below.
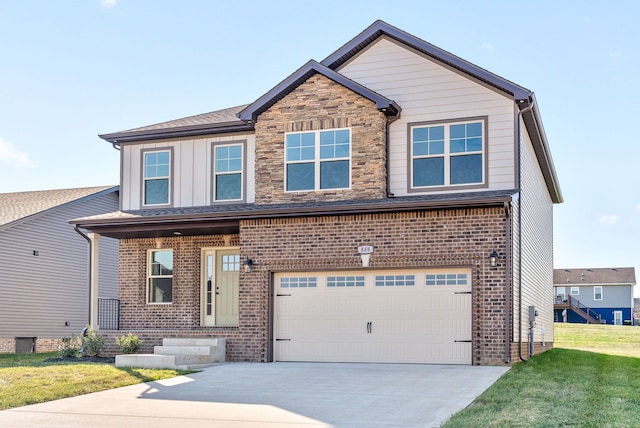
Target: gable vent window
(318, 160)
(447, 154)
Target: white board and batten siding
(537, 247)
(192, 171)
(39, 293)
(429, 91)
(390, 316)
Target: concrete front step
(147, 361)
(176, 353)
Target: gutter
(77, 229)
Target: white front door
(220, 287)
(617, 317)
(391, 316)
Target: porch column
(93, 280)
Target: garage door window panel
(450, 279)
(299, 282)
(395, 280)
(345, 281)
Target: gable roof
(594, 276)
(379, 28)
(20, 205)
(253, 110)
(523, 97)
(218, 121)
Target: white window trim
(447, 154)
(145, 179)
(575, 291)
(242, 171)
(317, 161)
(150, 276)
(601, 292)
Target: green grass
(28, 379)
(566, 387)
(605, 339)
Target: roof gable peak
(252, 111)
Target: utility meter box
(533, 313)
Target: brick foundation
(43, 344)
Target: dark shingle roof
(215, 121)
(19, 205)
(599, 276)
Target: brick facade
(326, 105)
(425, 239)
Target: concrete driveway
(274, 395)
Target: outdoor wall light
(247, 265)
(493, 259)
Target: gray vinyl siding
(38, 294)
(613, 296)
(537, 245)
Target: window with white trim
(597, 293)
(318, 160)
(227, 172)
(156, 177)
(160, 276)
(575, 291)
(447, 154)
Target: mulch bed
(84, 359)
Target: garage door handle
(369, 329)
(462, 292)
(462, 341)
(283, 295)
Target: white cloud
(10, 154)
(586, 19)
(108, 3)
(488, 46)
(608, 220)
(638, 207)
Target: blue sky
(70, 70)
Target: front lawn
(590, 379)
(28, 379)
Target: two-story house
(596, 295)
(391, 203)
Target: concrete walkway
(255, 395)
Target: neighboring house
(597, 295)
(348, 214)
(44, 278)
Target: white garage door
(399, 316)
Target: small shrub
(92, 343)
(70, 346)
(128, 344)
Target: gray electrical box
(533, 313)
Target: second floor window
(227, 170)
(157, 177)
(447, 154)
(318, 160)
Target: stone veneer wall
(425, 239)
(319, 103)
